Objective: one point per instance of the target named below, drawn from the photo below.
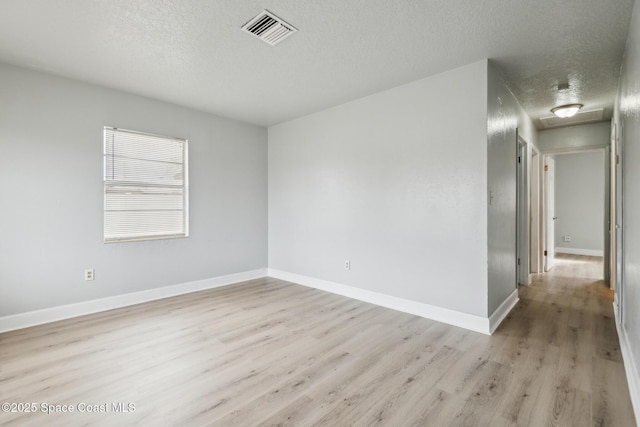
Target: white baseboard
(440, 314)
(444, 315)
(578, 251)
(630, 366)
(501, 312)
(38, 317)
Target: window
(145, 186)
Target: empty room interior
(336, 213)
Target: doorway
(528, 212)
(576, 205)
(523, 230)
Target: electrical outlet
(567, 238)
(347, 265)
(89, 274)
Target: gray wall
(396, 182)
(51, 188)
(579, 200)
(627, 118)
(505, 118)
(582, 136)
(392, 182)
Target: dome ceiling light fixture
(565, 111)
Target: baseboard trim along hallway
(630, 366)
(47, 315)
(502, 311)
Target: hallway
(563, 335)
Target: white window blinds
(145, 186)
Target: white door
(550, 217)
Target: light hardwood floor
(268, 352)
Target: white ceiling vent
(580, 118)
(269, 28)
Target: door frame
(529, 218)
(523, 231)
(617, 217)
(605, 149)
(545, 213)
(535, 217)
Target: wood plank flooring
(272, 353)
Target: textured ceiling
(193, 53)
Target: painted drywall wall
(592, 135)
(579, 200)
(627, 120)
(505, 118)
(51, 187)
(395, 183)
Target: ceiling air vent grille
(269, 28)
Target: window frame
(185, 188)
